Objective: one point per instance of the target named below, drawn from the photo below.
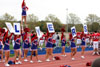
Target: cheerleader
(83, 44)
(17, 49)
(24, 9)
(95, 37)
(34, 46)
(1, 43)
(6, 47)
(73, 49)
(63, 43)
(78, 39)
(91, 40)
(87, 40)
(26, 43)
(49, 49)
(41, 41)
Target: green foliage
(93, 22)
(79, 27)
(32, 18)
(8, 17)
(73, 19)
(43, 26)
(95, 26)
(52, 18)
(91, 18)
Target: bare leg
(36, 54)
(47, 53)
(20, 54)
(31, 55)
(83, 48)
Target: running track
(64, 61)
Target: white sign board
(50, 28)
(85, 29)
(10, 27)
(38, 31)
(73, 29)
(17, 30)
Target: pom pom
(27, 30)
(3, 30)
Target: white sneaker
(73, 58)
(53, 58)
(82, 57)
(65, 55)
(31, 61)
(47, 60)
(19, 62)
(25, 60)
(7, 65)
(16, 62)
(17, 58)
(39, 61)
(93, 53)
(97, 53)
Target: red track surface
(64, 61)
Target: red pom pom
(27, 30)
(88, 63)
(61, 65)
(2, 30)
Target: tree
(94, 26)
(52, 18)
(32, 18)
(92, 18)
(73, 19)
(8, 17)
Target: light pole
(67, 19)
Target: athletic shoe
(73, 58)
(16, 62)
(82, 57)
(25, 60)
(39, 61)
(93, 53)
(7, 65)
(19, 62)
(31, 61)
(47, 60)
(17, 58)
(53, 58)
(97, 53)
(65, 55)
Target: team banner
(85, 29)
(73, 29)
(10, 27)
(38, 31)
(17, 29)
(50, 28)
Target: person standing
(24, 14)
(95, 37)
(57, 39)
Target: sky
(41, 8)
